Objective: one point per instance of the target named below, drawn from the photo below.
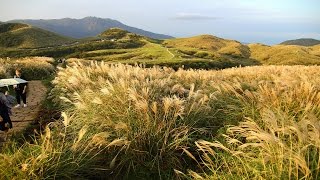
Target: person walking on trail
(5, 110)
(21, 90)
(11, 101)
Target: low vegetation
(153, 53)
(208, 43)
(116, 45)
(280, 137)
(129, 122)
(11, 27)
(78, 48)
(285, 55)
(33, 68)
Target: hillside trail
(21, 117)
(16, 30)
(170, 53)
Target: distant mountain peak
(86, 27)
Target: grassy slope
(150, 51)
(14, 35)
(117, 45)
(285, 54)
(197, 52)
(209, 43)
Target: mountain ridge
(85, 27)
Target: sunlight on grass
(129, 122)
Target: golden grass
(279, 138)
(315, 50)
(123, 121)
(2, 72)
(210, 43)
(285, 54)
(158, 98)
(33, 67)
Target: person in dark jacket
(11, 101)
(21, 90)
(4, 112)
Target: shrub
(201, 54)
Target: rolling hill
(211, 44)
(86, 27)
(302, 42)
(285, 55)
(211, 47)
(17, 35)
(119, 45)
(117, 34)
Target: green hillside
(215, 45)
(12, 27)
(118, 45)
(81, 47)
(214, 53)
(16, 35)
(302, 42)
(115, 33)
(211, 47)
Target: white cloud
(194, 16)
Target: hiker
(5, 109)
(11, 101)
(21, 90)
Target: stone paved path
(21, 117)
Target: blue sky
(264, 21)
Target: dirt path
(23, 116)
(170, 53)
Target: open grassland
(217, 46)
(72, 50)
(285, 54)
(16, 35)
(148, 52)
(128, 122)
(156, 54)
(199, 52)
(33, 68)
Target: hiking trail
(21, 117)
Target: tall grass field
(131, 122)
(33, 68)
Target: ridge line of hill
(86, 27)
